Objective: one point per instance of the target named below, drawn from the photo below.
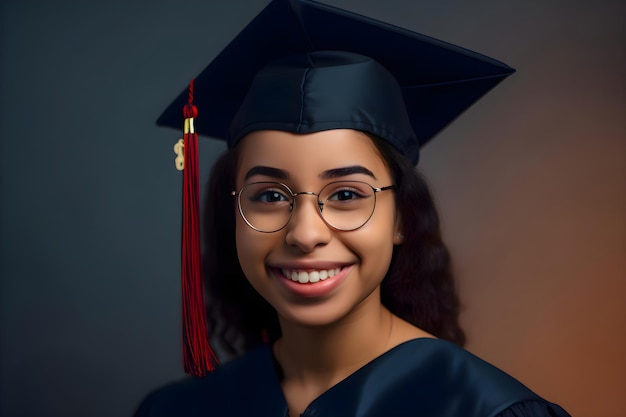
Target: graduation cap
(303, 67)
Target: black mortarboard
(437, 80)
(302, 66)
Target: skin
(340, 326)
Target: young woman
(326, 273)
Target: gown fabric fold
(421, 377)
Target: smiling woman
(326, 274)
(307, 243)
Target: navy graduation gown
(421, 377)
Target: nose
(306, 229)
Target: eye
(347, 193)
(344, 195)
(269, 196)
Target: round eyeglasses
(344, 205)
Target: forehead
(306, 156)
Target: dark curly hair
(418, 287)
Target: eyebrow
(328, 174)
(345, 171)
(268, 172)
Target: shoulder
(449, 364)
(218, 393)
(448, 380)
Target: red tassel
(198, 357)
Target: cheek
(378, 258)
(374, 245)
(246, 248)
(252, 250)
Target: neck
(327, 354)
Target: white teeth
(304, 277)
(314, 276)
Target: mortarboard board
(302, 66)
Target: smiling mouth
(304, 277)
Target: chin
(321, 313)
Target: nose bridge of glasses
(305, 193)
(320, 203)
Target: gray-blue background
(90, 199)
